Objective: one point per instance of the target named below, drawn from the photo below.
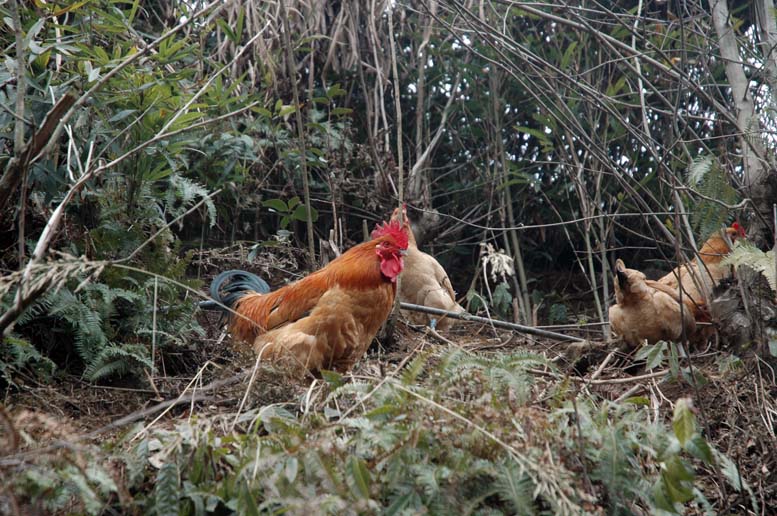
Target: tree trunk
(756, 168)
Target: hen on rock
(696, 281)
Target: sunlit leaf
(683, 421)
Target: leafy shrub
(454, 433)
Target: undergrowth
(453, 433)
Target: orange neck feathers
(359, 267)
(716, 247)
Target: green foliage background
(191, 137)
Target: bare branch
(499, 324)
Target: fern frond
(413, 369)
(167, 489)
(117, 359)
(745, 253)
(699, 169)
(516, 488)
(186, 192)
(709, 178)
(16, 353)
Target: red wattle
(391, 267)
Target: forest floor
(735, 407)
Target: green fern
(503, 372)
(166, 490)
(745, 253)
(116, 359)
(709, 178)
(183, 194)
(111, 327)
(17, 353)
(516, 488)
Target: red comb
(392, 229)
(739, 229)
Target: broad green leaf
(677, 490)
(263, 111)
(300, 213)
(121, 115)
(678, 470)
(42, 60)
(277, 205)
(502, 297)
(683, 421)
(33, 31)
(660, 497)
(475, 300)
(615, 89)
(567, 57)
(287, 110)
(291, 468)
(133, 11)
(730, 471)
(248, 503)
(694, 376)
(185, 119)
(698, 447)
(70, 8)
(239, 28)
(674, 360)
(333, 378)
(653, 355)
(335, 91)
(360, 476)
(227, 30)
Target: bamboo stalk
(300, 129)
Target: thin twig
(499, 324)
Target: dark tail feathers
(239, 282)
(620, 273)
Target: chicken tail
(238, 283)
(620, 273)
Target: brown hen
(696, 281)
(647, 310)
(425, 282)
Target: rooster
(325, 320)
(691, 278)
(647, 310)
(424, 281)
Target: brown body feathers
(327, 319)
